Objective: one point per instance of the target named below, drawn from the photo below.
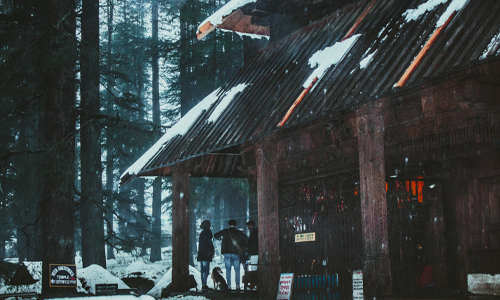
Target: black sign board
(62, 275)
(106, 289)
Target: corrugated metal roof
(275, 75)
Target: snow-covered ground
(123, 267)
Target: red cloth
(426, 277)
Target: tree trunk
(59, 188)
(156, 217)
(109, 147)
(92, 220)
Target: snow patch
(251, 35)
(382, 31)
(167, 279)
(218, 16)
(364, 62)
(120, 297)
(454, 6)
(495, 41)
(322, 60)
(35, 269)
(227, 98)
(94, 274)
(484, 284)
(140, 269)
(179, 128)
(414, 14)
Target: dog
(219, 281)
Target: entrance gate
(320, 236)
(416, 236)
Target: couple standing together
(235, 246)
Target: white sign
(305, 237)
(285, 287)
(357, 285)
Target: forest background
(86, 87)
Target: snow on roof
(218, 16)
(454, 6)
(251, 35)
(414, 14)
(227, 98)
(364, 62)
(322, 60)
(179, 128)
(495, 41)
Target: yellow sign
(305, 237)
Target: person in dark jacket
(233, 246)
(205, 252)
(253, 239)
(253, 250)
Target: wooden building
(372, 138)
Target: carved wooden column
(180, 228)
(267, 201)
(376, 261)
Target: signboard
(357, 285)
(305, 237)
(106, 289)
(62, 275)
(285, 287)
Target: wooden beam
(180, 228)
(204, 30)
(422, 52)
(268, 219)
(376, 261)
(359, 20)
(297, 102)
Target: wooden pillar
(267, 202)
(180, 228)
(376, 261)
(457, 198)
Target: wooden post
(456, 193)
(180, 228)
(267, 202)
(376, 261)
